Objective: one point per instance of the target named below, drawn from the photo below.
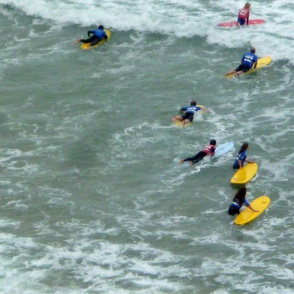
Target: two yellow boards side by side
(247, 215)
(261, 62)
(245, 174)
(85, 46)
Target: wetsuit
(97, 36)
(235, 207)
(208, 150)
(243, 15)
(242, 156)
(247, 62)
(189, 114)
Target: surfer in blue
(238, 201)
(248, 61)
(95, 36)
(208, 150)
(189, 112)
(242, 155)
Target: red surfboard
(234, 23)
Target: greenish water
(93, 199)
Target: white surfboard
(223, 149)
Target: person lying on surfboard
(243, 15)
(248, 61)
(238, 201)
(242, 155)
(208, 150)
(97, 36)
(188, 116)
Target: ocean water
(93, 198)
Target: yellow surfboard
(261, 62)
(245, 174)
(85, 46)
(247, 215)
(180, 124)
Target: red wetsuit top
(209, 150)
(244, 13)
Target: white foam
(180, 18)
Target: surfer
(95, 36)
(243, 15)
(208, 150)
(188, 116)
(242, 155)
(248, 61)
(238, 201)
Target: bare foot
(77, 41)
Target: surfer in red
(243, 15)
(208, 150)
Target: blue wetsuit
(190, 110)
(98, 33)
(97, 36)
(235, 207)
(247, 62)
(242, 156)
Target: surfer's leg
(88, 40)
(177, 117)
(95, 41)
(197, 157)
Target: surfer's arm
(89, 33)
(250, 207)
(204, 109)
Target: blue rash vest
(191, 109)
(99, 33)
(249, 59)
(242, 156)
(240, 205)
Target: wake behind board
(223, 149)
(180, 124)
(247, 215)
(261, 62)
(85, 46)
(234, 23)
(245, 174)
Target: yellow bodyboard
(85, 46)
(261, 62)
(245, 174)
(180, 124)
(247, 215)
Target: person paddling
(208, 150)
(95, 36)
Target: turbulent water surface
(93, 198)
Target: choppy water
(93, 199)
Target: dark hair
(101, 27)
(244, 146)
(193, 103)
(212, 142)
(252, 50)
(240, 196)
